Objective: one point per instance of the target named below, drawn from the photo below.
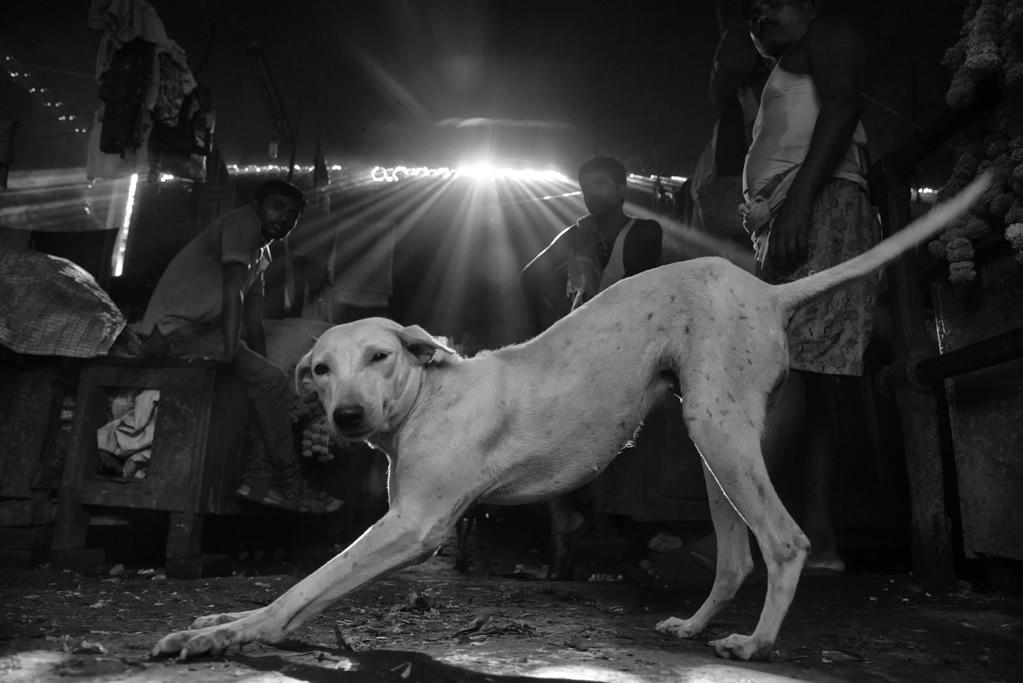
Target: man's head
(777, 25)
(602, 181)
(278, 205)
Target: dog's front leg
(405, 535)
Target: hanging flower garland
(990, 46)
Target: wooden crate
(199, 446)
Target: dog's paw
(218, 619)
(680, 628)
(170, 645)
(745, 648)
(187, 644)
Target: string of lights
(23, 76)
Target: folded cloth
(51, 307)
(132, 431)
(130, 436)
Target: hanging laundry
(175, 83)
(151, 105)
(123, 89)
(123, 21)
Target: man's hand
(788, 246)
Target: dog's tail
(792, 295)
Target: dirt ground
(432, 623)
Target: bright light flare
(483, 171)
(121, 244)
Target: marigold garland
(989, 47)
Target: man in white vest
(586, 258)
(593, 253)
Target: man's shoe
(312, 501)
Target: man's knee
(259, 372)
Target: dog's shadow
(364, 666)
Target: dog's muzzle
(349, 419)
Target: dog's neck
(405, 402)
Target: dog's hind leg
(734, 563)
(727, 437)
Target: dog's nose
(348, 416)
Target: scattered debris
(88, 647)
(475, 625)
(414, 602)
(345, 641)
(832, 656)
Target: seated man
(209, 302)
(584, 259)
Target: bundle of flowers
(990, 46)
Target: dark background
(384, 82)
(530, 83)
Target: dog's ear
(304, 375)
(422, 345)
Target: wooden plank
(918, 405)
(25, 537)
(137, 494)
(985, 406)
(26, 403)
(40, 509)
(16, 513)
(181, 422)
(72, 522)
(226, 445)
(55, 447)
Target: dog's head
(367, 373)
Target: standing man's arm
(543, 282)
(735, 59)
(234, 302)
(835, 54)
(642, 248)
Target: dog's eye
(321, 369)
(379, 356)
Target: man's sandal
(263, 493)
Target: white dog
(530, 421)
